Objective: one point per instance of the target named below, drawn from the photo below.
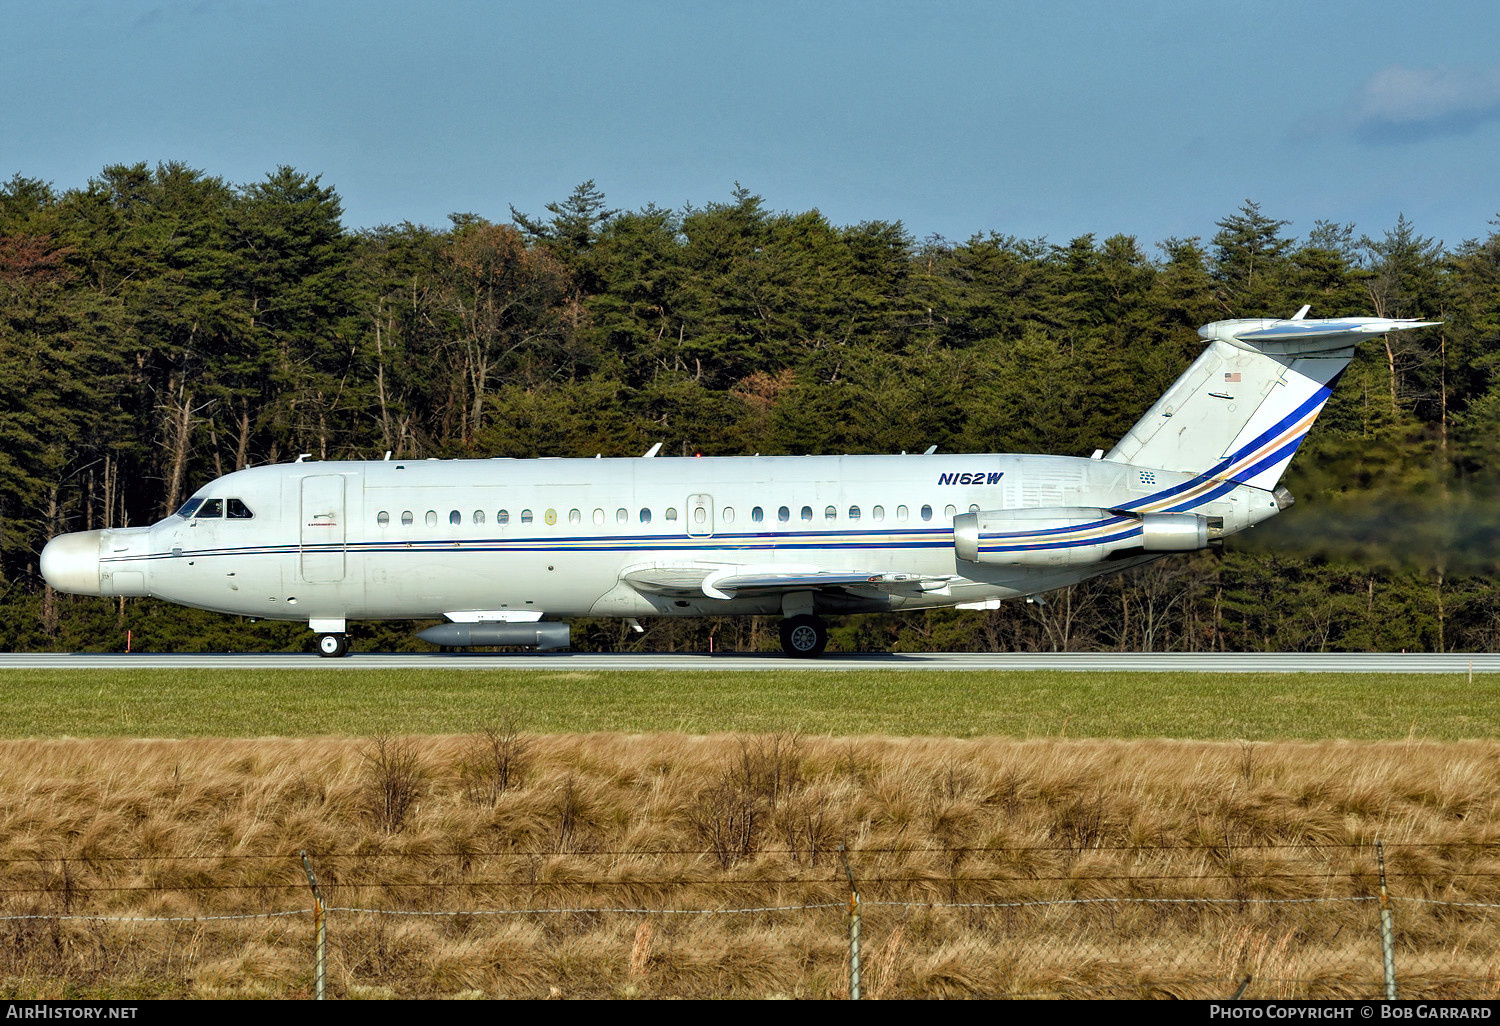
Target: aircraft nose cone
(70, 563)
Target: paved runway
(1182, 662)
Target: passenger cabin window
(806, 512)
(383, 518)
(645, 515)
(622, 515)
(185, 511)
(853, 512)
(974, 507)
(757, 515)
(902, 514)
(783, 514)
(728, 514)
(479, 516)
(878, 513)
(926, 512)
(502, 517)
(671, 512)
(455, 518)
(550, 516)
(525, 516)
(234, 509)
(598, 516)
(950, 512)
(211, 508)
(699, 514)
(831, 513)
(406, 518)
(431, 518)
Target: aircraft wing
(721, 581)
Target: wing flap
(720, 581)
(733, 581)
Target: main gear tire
(804, 637)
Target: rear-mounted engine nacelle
(1073, 535)
(1179, 532)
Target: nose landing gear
(333, 645)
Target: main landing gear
(333, 645)
(804, 636)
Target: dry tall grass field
(501, 864)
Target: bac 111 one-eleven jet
(505, 549)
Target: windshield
(188, 507)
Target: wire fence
(456, 924)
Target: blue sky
(1150, 118)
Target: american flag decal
(1231, 375)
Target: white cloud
(1400, 104)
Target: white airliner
(504, 549)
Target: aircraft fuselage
(579, 537)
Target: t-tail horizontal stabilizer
(1299, 336)
(1241, 409)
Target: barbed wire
(1116, 901)
(1228, 844)
(649, 910)
(75, 887)
(83, 890)
(64, 917)
(1451, 904)
(589, 911)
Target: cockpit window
(237, 510)
(185, 511)
(210, 508)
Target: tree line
(160, 326)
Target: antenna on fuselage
(387, 457)
(302, 457)
(651, 451)
(930, 450)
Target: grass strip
(1033, 704)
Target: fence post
(320, 936)
(1387, 928)
(853, 928)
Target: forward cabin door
(323, 529)
(700, 516)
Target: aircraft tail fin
(1241, 409)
